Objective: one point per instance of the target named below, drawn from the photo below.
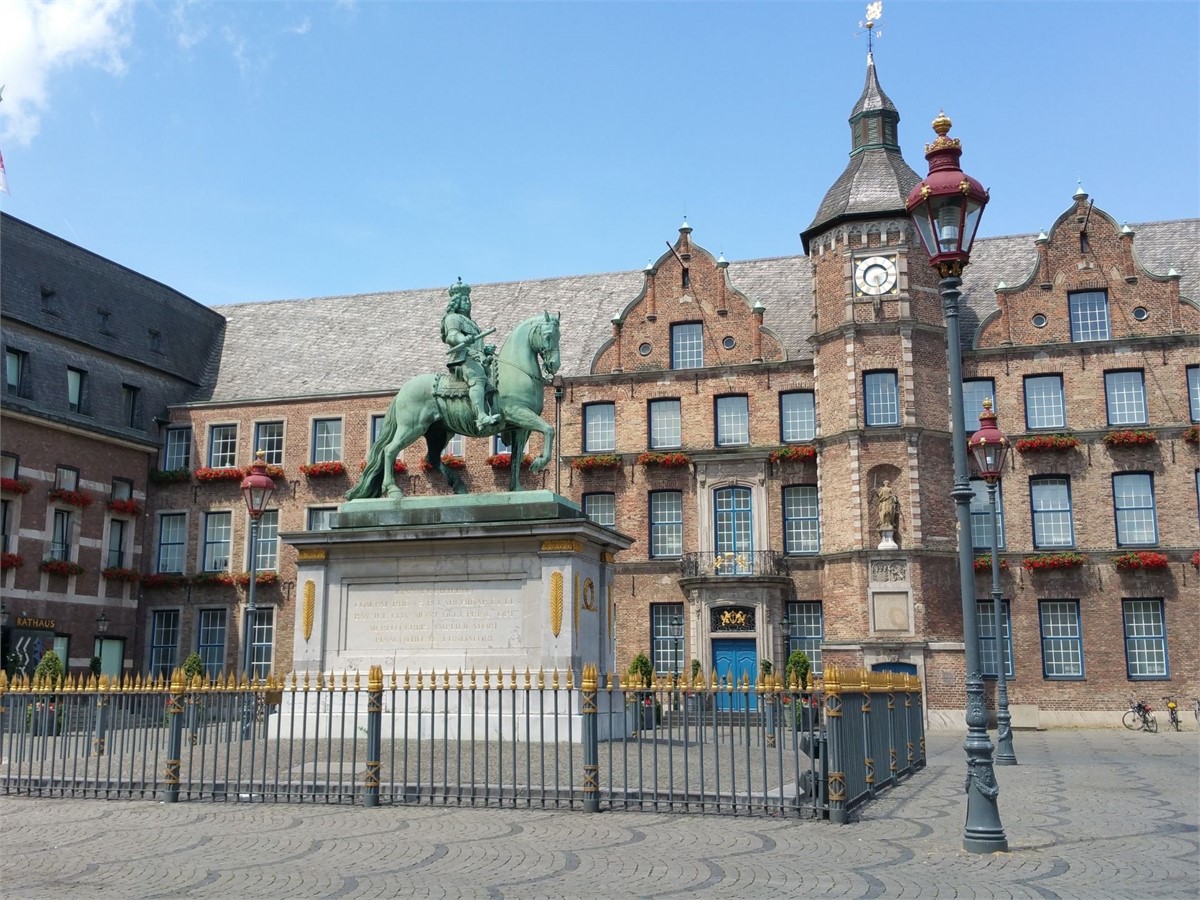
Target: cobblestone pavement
(1088, 814)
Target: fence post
(175, 737)
(837, 747)
(591, 743)
(101, 686)
(868, 732)
(374, 734)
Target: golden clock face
(875, 275)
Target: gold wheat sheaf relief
(556, 602)
(310, 605)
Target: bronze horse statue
(436, 406)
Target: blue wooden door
(735, 657)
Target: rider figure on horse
(468, 358)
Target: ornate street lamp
(990, 448)
(256, 489)
(946, 207)
(102, 623)
(677, 633)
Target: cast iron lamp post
(990, 447)
(677, 634)
(945, 208)
(256, 489)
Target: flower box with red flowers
(1195, 559)
(1141, 559)
(398, 467)
(116, 573)
(598, 461)
(225, 579)
(794, 453)
(504, 461)
(1046, 443)
(664, 460)
(10, 561)
(209, 474)
(450, 461)
(170, 476)
(260, 578)
(1130, 438)
(125, 507)
(269, 469)
(13, 486)
(1048, 561)
(328, 469)
(983, 563)
(81, 499)
(1192, 435)
(60, 567)
(164, 580)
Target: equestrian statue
(484, 393)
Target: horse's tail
(371, 483)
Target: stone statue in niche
(887, 506)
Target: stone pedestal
(887, 539)
(506, 581)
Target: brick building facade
(737, 420)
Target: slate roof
(872, 97)
(372, 343)
(874, 182)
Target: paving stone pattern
(1088, 814)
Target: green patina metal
(484, 393)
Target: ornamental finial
(874, 14)
(942, 123)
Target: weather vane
(874, 13)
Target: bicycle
(1173, 713)
(1139, 716)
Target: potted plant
(193, 668)
(983, 563)
(80, 499)
(796, 672)
(60, 567)
(639, 702)
(770, 702)
(44, 715)
(125, 507)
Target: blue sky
(244, 151)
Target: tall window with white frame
(797, 417)
(210, 640)
(881, 399)
(666, 424)
(1045, 408)
(318, 517)
(130, 409)
(172, 542)
(666, 635)
(16, 366)
(732, 416)
(599, 428)
(76, 391)
(266, 557)
(601, 508)
(1053, 523)
(989, 649)
(1133, 507)
(268, 437)
(1062, 639)
(733, 531)
(1089, 315)
(222, 446)
(801, 519)
(218, 534)
(1145, 639)
(981, 516)
(975, 391)
(1193, 388)
(687, 345)
(118, 530)
(1125, 397)
(806, 631)
(262, 642)
(60, 544)
(177, 449)
(666, 524)
(327, 440)
(164, 642)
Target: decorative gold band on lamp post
(945, 208)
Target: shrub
(94, 666)
(798, 668)
(193, 666)
(640, 671)
(49, 667)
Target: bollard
(591, 743)
(175, 738)
(374, 735)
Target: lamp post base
(1005, 755)
(984, 832)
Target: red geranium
(1046, 443)
(327, 469)
(1141, 559)
(208, 474)
(1066, 560)
(504, 460)
(60, 567)
(597, 461)
(116, 573)
(793, 453)
(450, 461)
(13, 486)
(1130, 437)
(82, 499)
(125, 507)
(664, 460)
(10, 561)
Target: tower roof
(876, 180)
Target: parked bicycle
(1139, 716)
(1173, 713)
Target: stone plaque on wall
(890, 611)
(889, 571)
(448, 616)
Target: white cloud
(39, 38)
(304, 27)
(188, 32)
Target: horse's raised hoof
(538, 464)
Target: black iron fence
(557, 740)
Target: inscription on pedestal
(450, 616)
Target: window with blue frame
(989, 648)
(666, 424)
(666, 524)
(599, 428)
(981, 516)
(797, 416)
(1125, 397)
(601, 509)
(1133, 506)
(1145, 639)
(732, 420)
(806, 631)
(881, 399)
(801, 519)
(666, 635)
(1053, 523)
(1045, 407)
(1193, 384)
(975, 391)
(687, 345)
(1062, 639)
(1089, 315)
